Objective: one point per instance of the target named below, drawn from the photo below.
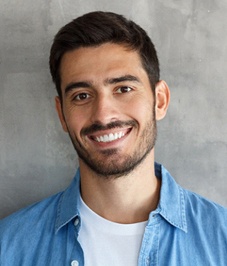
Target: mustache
(99, 126)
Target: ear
(162, 96)
(59, 109)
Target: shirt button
(74, 263)
(76, 222)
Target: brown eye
(82, 96)
(124, 89)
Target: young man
(121, 208)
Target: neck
(126, 199)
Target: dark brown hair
(97, 28)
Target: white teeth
(110, 137)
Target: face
(108, 108)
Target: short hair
(97, 28)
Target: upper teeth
(110, 137)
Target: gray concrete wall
(36, 158)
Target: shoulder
(206, 215)
(198, 204)
(30, 217)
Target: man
(121, 208)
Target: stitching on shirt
(182, 202)
(57, 226)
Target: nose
(105, 109)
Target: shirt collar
(171, 205)
(68, 203)
(172, 202)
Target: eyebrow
(76, 85)
(121, 79)
(87, 84)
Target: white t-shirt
(108, 243)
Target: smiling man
(122, 208)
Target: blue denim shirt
(185, 229)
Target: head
(96, 28)
(109, 111)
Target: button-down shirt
(185, 229)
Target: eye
(123, 89)
(82, 96)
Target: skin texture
(110, 112)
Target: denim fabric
(185, 229)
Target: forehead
(99, 63)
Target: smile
(110, 137)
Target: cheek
(141, 109)
(74, 122)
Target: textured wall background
(36, 158)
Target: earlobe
(162, 96)
(58, 106)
